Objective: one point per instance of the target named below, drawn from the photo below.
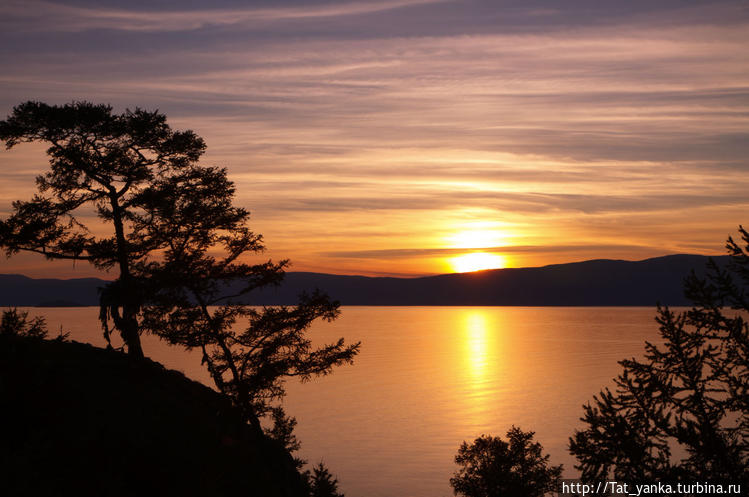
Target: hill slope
(80, 421)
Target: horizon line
(405, 276)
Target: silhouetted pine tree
(103, 162)
(194, 289)
(178, 241)
(15, 323)
(682, 412)
(322, 483)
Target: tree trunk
(129, 329)
(132, 338)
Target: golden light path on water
(478, 336)
(484, 360)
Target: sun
(476, 261)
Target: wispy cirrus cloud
(377, 126)
(411, 253)
(25, 14)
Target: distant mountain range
(591, 283)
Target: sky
(416, 137)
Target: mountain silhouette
(601, 282)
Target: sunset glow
(480, 235)
(476, 261)
(366, 142)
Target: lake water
(428, 378)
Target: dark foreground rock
(79, 420)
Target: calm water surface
(428, 378)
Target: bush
(18, 324)
(492, 467)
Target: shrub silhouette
(14, 323)
(492, 467)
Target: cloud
(62, 17)
(414, 253)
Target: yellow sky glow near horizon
(477, 261)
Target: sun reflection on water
(477, 340)
(482, 365)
